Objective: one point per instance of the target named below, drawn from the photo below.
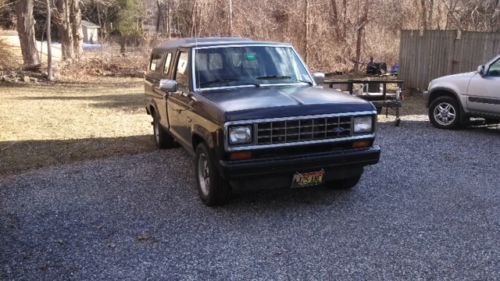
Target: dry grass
(44, 125)
(107, 61)
(7, 58)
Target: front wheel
(212, 188)
(444, 113)
(162, 137)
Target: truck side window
(181, 75)
(166, 67)
(155, 62)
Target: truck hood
(282, 101)
(456, 82)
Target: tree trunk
(123, 42)
(495, 20)
(168, 20)
(335, 19)
(50, 75)
(360, 33)
(344, 19)
(158, 16)
(64, 29)
(423, 17)
(26, 31)
(76, 28)
(193, 20)
(306, 35)
(230, 17)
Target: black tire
(162, 137)
(344, 183)
(445, 113)
(212, 188)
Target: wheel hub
(203, 173)
(156, 132)
(444, 114)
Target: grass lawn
(44, 125)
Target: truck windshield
(217, 67)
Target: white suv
(452, 100)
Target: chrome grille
(306, 129)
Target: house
(90, 32)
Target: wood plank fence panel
(437, 53)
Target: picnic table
(380, 97)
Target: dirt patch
(49, 124)
(107, 61)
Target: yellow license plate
(308, 179)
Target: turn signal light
(360, 144)
(240, 155)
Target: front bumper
(233, 170)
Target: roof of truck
(208, 41)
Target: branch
(3, 6)
(455, 20)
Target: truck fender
(200, 133)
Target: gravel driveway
(429, 210)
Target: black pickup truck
(253, 116)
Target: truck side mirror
(167, 85)
(480, 70)
(319, 77)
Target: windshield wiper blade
(305, 81)
(273, 77)
(278, 77)
(218, 81)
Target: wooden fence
(438, 53)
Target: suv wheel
(344, 183)
(162, 137)
(444, 113)
(213, 189)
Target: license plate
(308, 179)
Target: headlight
(363, 124)
(240, 135)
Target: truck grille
(310, 129)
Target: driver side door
(180, 102)
(484, 91)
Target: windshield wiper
(305, 81)
(208, 83)
(217, 82)
(282, 77)
(273, 77)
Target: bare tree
(50, 74)
(360, 32)
(62, 18)
(76, 27)
(423, 16)
(67, 17)
(306, 35)
(26, 31)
